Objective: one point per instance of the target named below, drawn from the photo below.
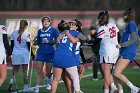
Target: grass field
(87, 85)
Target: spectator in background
(95, 49)
(127, 50)
(4, 48)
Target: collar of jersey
(47, 29)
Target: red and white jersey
(109, 36)
(20, 42)
(2, 31)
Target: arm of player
(72, 39)
(132, 40)
(6, 44)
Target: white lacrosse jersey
(20, 42)
(109, 36)
(2, 31)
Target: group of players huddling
(65, 59)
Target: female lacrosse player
(108, 51)
(46, 39)
(128, 49)
(76, 54)
(64, 59)
(4, 47)
(20, 44)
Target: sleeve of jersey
(117, 30)
(77, 33)
(3, 29)
(100, 33)
(132, 27)
(12, 37)
(27, 37)
(56, 34)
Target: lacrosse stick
(33, 30)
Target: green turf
(87, 85)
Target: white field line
(61, 81)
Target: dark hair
(130, 13)
(103, 18)
(23, 24)
(63, 25)
(79, 25)
(92, 28)
(46, 18)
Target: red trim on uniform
(28, 36)
(101, 33)
(3, 28)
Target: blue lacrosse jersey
(76, 53)
(129, 52)
(50, 34)
(63, 57)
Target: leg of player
(73, 72)
(121, 65)
(14, 72)
(39, 70)
(67, 81)
(57, 72)
(81, 71)
(3, 73)
(25, 78)
(48, 75)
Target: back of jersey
(109, 37)
(2, 31)
(20, 42)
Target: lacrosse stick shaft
(16, 83)
(31, 73)
(137, 63)
(28, 63)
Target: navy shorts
(45, 58)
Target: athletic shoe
(114, 90)
(81, 91)
(48, 86)
(36, 90)
(10, 88)
(95, 79)
(135, 90)
(26, 88)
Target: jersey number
(112, 32)
(19, 39)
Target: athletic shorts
(2, 58)
(110, 58)
(18, 59)
(127, 55)
(45, 58)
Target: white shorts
(110, 58)
(2, 58)
(18, 59)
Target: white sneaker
(48, 86)
(135, 90)
(114, 90)
(26, 88)
(81, 91)
(36, 90)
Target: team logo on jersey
(4, 28)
